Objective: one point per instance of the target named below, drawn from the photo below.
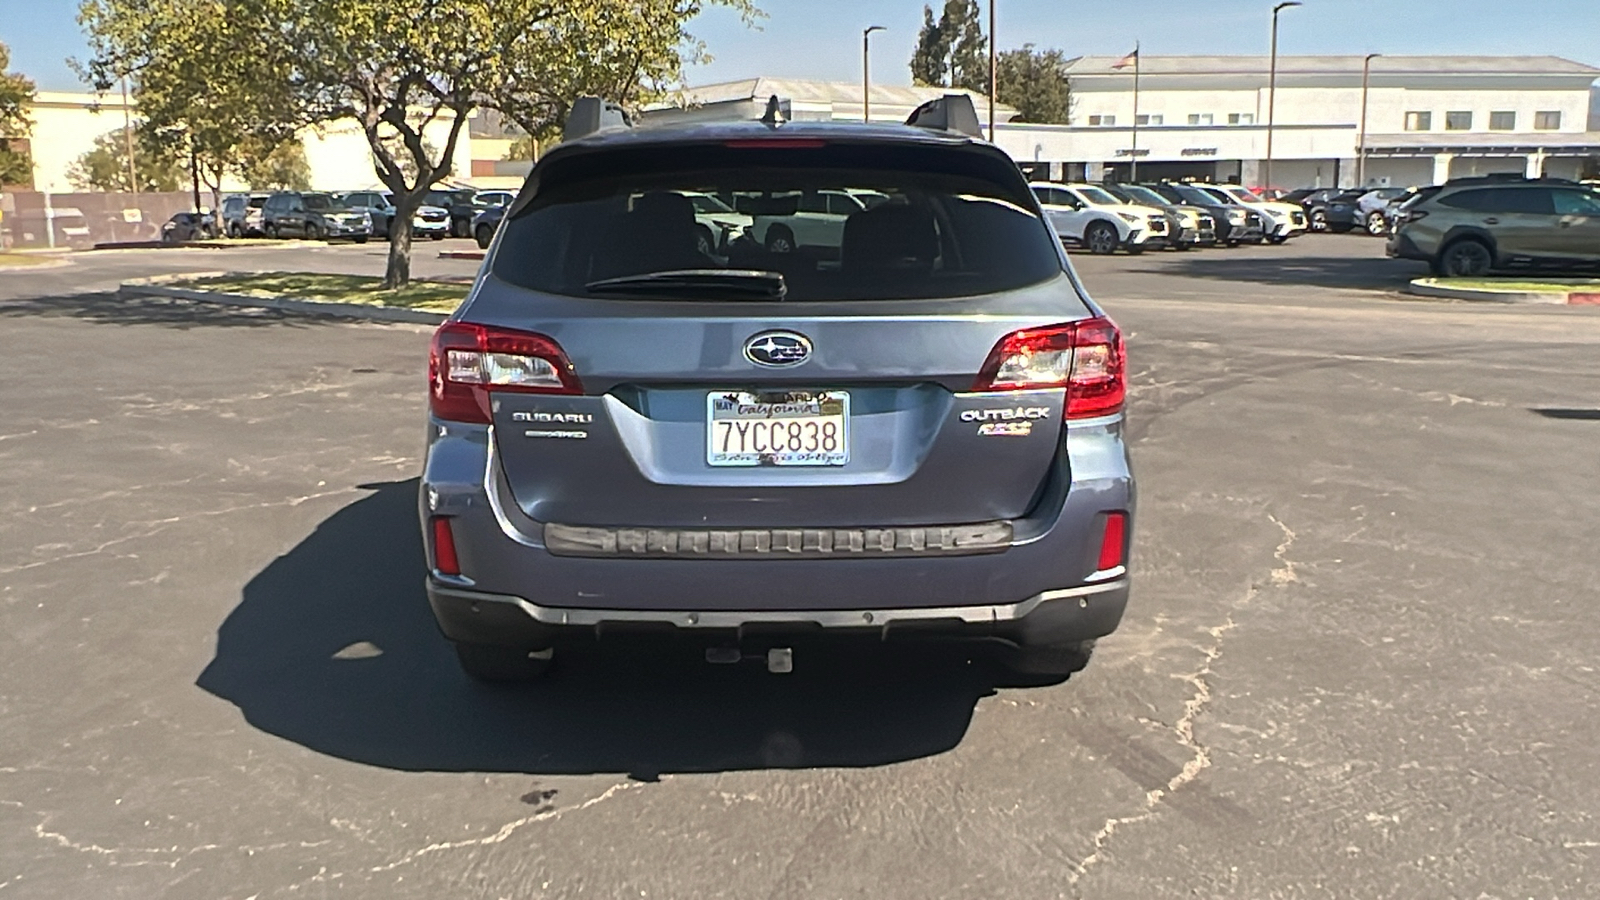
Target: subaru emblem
(777, 348)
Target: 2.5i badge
(1006, 429)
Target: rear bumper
(522, 583)
(1049, 618)
(1400, 246)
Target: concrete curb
(155, 287)
(210, 244)
(1422, 288)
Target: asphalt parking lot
(1359, 660)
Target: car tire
(313, 232)
(1055, 662)
(436, 237)
(1377, 224)
(1278, 239)
(1182, 246)
(235, 232)
(361, 239)
(1319, 220)
(274, 232)
(780, 240)
(503, 665)
(460, 228)
(484, 236)
(1101, 238)
(1465, 258)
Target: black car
(462, 205)
(314, 215)
(484, 224)
(1339, 213)
(1234, 224)
(188, 226)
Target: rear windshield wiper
(752, 283)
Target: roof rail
(952, 112)
(592, 115)
(778, 111)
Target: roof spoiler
(952, 112)
(592, 115)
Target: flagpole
(1135, 153)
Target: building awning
(1468, 143)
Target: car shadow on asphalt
(333, 647)
(1375, 274)
(110, 308)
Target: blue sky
(822, 38)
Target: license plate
(783, 428)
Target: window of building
(1200, 118)
(1241, 118)
(1547, 121)
(1102, 120)
(1458, 121)
(1502, 121)
(1419, 121)
(1153, 119)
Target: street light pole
(1361, 147)
(994, 72)
(866, 71)
(1272, 87)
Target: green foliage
(221, 73)
(522, 148)
(280, 168)
(16, 92)
(1035, 83)
(952, 50)
(104, 167)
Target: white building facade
(1428, 118)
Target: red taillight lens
(1113, 541)
(444, 547)
(1084, 357)
(466, 362)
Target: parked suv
(1187, 226)
(315, 216)
(1234, 223)
(918, 433)
(241, 214)
(1282, 221)
(1087, 215)
(1469, 229)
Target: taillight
(1085, 357)
(444, 547)
(1415, 215)
(467, 362)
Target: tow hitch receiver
(780, 660)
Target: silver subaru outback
(864, 393)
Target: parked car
(1339, 214)
(1371, 209)
(1315, 203)
(720, 223)
(241, 214)
(494, 198)
(1085, 214)
(1282, 221)
(428, 221)
(484, 225)
(793, 221)
(1471, 229)
(609, 461)
(1187, 226)
(316, 216)
(188, 226)
(462, 205)
(1234, 223)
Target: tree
(1035, 83)
(16, 93)
(104, 167)
(280, 168)
(952, 52)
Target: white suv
(1087, 215)
(1283, 220)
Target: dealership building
(1428, 119)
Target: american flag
(1126, 61)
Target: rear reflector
(444, 547)
(467, 362)
(1085, 357)
(1114, 540)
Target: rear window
(836, 221)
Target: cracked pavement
(1359, 660)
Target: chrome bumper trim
(855, 618)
